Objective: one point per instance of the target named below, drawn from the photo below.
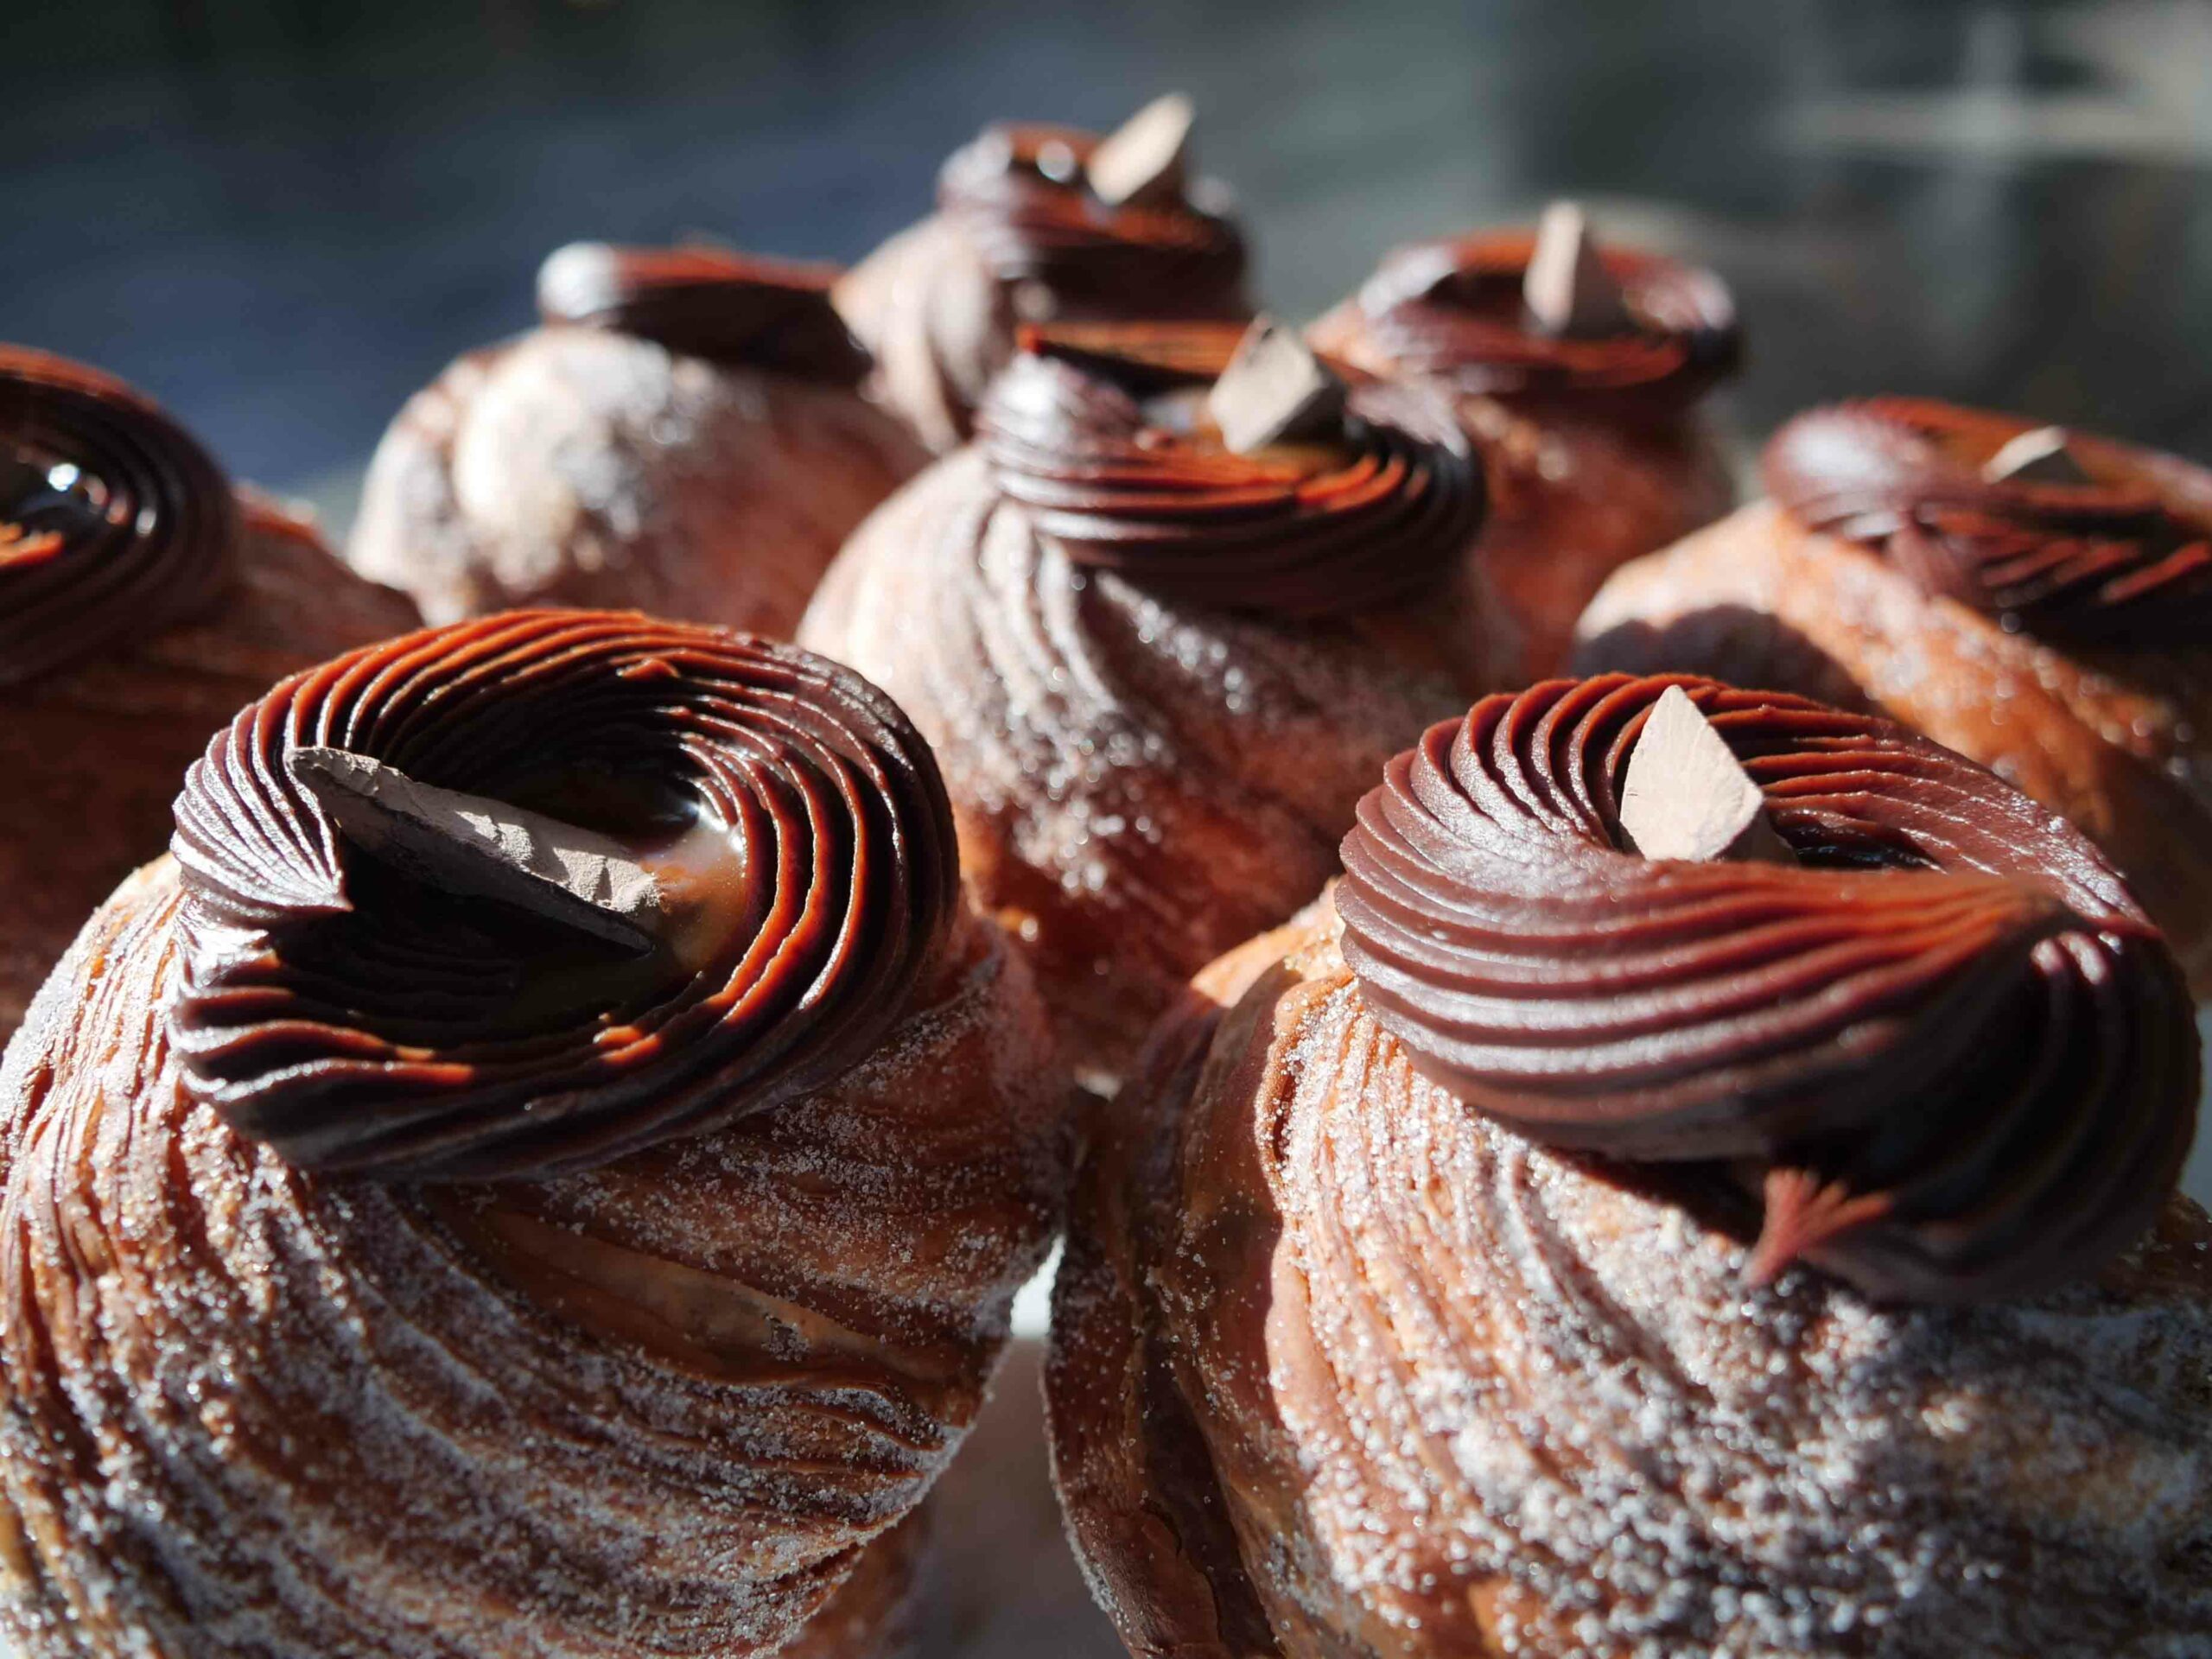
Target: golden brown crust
(1138, 783)
(2119, 741)
(95, 754)
(580, 466)
(1136, 1482)
(1459, 1396)
(877, 1612)
(661, 1406)
(1573, 498)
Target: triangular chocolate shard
(1142, 160)
(478, 847)
(1275, 390)
(1567, 288)
(1685, 795)
(2040, 456)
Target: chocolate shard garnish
(467, 845)
(1275, 390)
(1686, 796)
(1142, 160)
(2040, 456)
(1569, 292)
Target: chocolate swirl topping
(2125, 556)
(113, 518)
(355, 1020)
(1454, 310)
(1946, 1044)
(1100, 432)
(727, 307)
(1017, 191)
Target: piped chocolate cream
(361, 998)
(1545, 314)
(2063, 534)
(702, 302)
(114, 519)
(1941, 1041)
(1141, 235)
(1111, 437)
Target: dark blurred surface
(282, 216)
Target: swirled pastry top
(1454, 310)
(1099, 432)
(2124, 554)
(1946, 1042)
(1017, 191)
(114, 520)
(356, 1019)
(700, 302)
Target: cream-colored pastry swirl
(1945, 1042)
(114, 522)
(359, 1020)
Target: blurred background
(283, 216)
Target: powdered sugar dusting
(660, 1408)
(1465, 1396)
(1141, 784)
(582, 467)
